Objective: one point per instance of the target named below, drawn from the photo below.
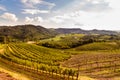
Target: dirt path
(6, 76)
(3, 75)
(15, 75)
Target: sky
(84, 14)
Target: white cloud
(96, 6)
(33, 20)
(79, 8)
(50, 5)
(31, 1)
(23, 1)
(3, 8)
(36, 3)
(82, 13)
(9, 16)
(60, 18)
(65, 17)
(88, 6)
(28, 19)
(78, 24)
(38, 19)
(34, 11)
(56, 20)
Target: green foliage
(26, 32)
(98, 46)
(1, 46)
(34, 53)
(64, 41)
(36, 57)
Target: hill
(96, 46)
(80, 31)
(32, 32)
(26, 32)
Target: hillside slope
(96, 46)
(26, 32)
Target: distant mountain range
(32, 32)
(78, 30)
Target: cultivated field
(37, 60)
(65, 57)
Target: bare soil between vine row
(6, 76)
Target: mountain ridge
(81, 31)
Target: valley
(72, 56)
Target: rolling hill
(32, 32)
(26, 32)
(97, 46)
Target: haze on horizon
(84, 14)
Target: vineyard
(96, 64)
(98, 60)
(38, 60)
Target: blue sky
(85, 14)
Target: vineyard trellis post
(115, 67)
(77, 77)
(37, 66)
